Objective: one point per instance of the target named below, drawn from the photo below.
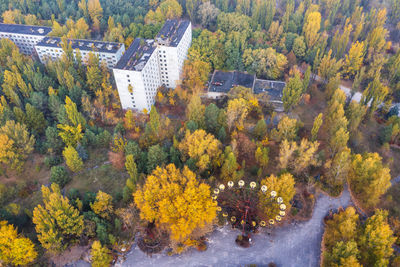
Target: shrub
(117, 160)
(89, 139)
(254, 170)
(103, 139)
(88, 197)
(59, 175)
(385, 134)
(51, 161)
(82, 152)
(192, 126)
(3, 194)
(132, 148)
(73, 193)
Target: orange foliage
(117, 159)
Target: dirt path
(291, 245)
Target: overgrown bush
(386, 134)
(82, 152)
(52, 160)
(59, 175)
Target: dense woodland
(77, 171)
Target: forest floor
(98, 174)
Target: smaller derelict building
(24, 36)
(50, 48)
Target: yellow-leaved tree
(195, 75)
(376, 240)
(340, 240)
(102, 206)
(101, 255)
(15, 144)
(204, 148)
(57, 220)
(343, 227)
(195, 110)
(236, 113)
(369, 178)
(286, 129)
(349, 243)
(71, 131)
(72, 159)
(176, 201)
(316, 125)
(168, 9)
(14, 248)
(354, 59)
(129, 120)
(284, 187)
(7, 151)
(311, 28)
(69, 134)
(74, 116)
(238, 92)
(298, 157)
(96, 12)
(261, 156)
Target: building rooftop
(137, 55)
(83, 45)
(274, 89)
(172, 32)
(25, 29)
(222, 81)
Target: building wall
(124, 78)
(163, 67)
(25, 42)
(45, 53)
(183, 48)
(144, 85)
(168, 61)
(171, 59)
(215, 95)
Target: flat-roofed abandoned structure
(50, 48)
(274, 90)
(24, 36)
(137, 75)
(174, 40)
(223, 81)
(148, 64)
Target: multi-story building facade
(49, 48)
(174, 40)
(148, 64)
(24, 36)
(137, 75)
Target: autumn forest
(81, 178)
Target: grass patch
(98, 174)
(104, 178)
(34, 171)
(333, 191)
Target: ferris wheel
(244, 205)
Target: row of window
(20, 37)
(43, 55)
(84, 53)
(30, 42)
(24, 43)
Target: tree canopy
(175, 200)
